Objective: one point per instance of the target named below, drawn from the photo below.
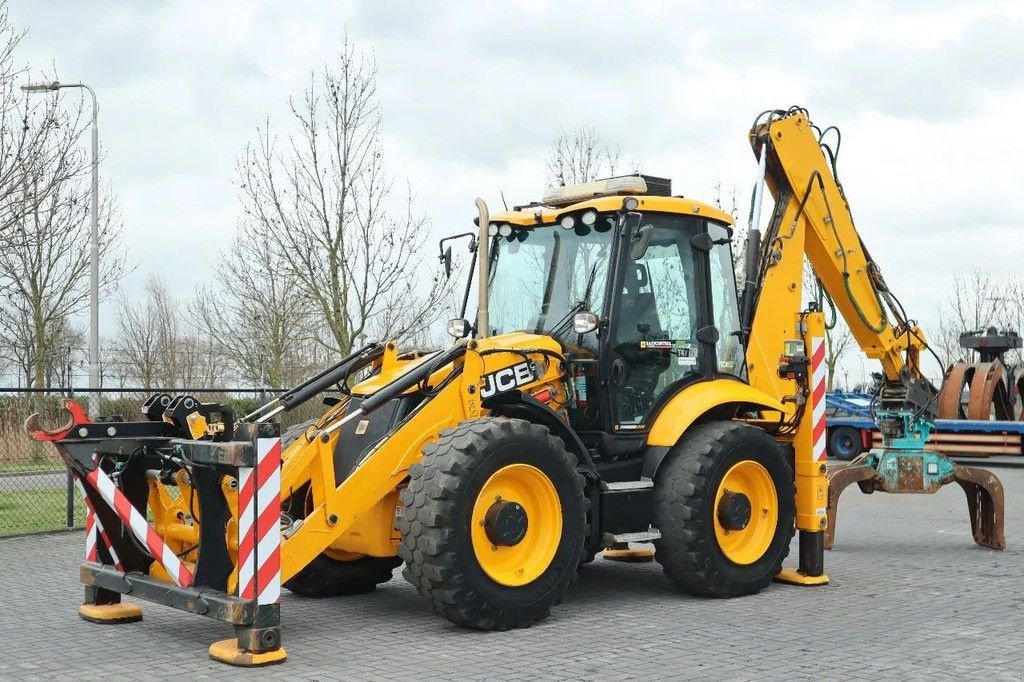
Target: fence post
(70, 506)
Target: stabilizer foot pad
(227, 651)
(638, 555)
(792, 576)
(110, 613)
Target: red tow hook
(77, 418)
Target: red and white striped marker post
(135, 521)
(818, 384)
(259, 525)
(95, 533)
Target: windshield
(538, 275)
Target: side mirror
(459, 328)
(640, 241)
(446, 259)
(584, 322)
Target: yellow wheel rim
(524, 561)
(747, 545)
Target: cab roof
(529, 216)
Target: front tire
(725, 505)
(494, 523)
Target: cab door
(653, 342)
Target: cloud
(473, 94)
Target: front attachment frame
(126, 556)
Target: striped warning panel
(91, 534)
(95, 532)
(259, 525)
(818, 382)
(135, 521)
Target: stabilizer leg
(985, 499)
(838, 480)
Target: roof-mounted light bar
(572, 194)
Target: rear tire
(293, 433)
(697, 550)
(327, 577)
(487, 584)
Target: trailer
(850, 435)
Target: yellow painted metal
(825, 232)
(374, 534)
(811, 479)
(541, 215)
(745, 546)
(683, 409)
(793, 576)
(110, 613)
(227, 651)
(526, 561)
(333, 512)
(229, 488)
(173, 519)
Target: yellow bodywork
(358, 517)
(545, 215)
(696, 400)
(823, 231)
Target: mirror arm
(469, 279)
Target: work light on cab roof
(567, 195)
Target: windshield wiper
(582, 305)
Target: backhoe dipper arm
(812, 218)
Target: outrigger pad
(792, 576)
(110, 614)
(227, 651)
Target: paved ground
(911, 598)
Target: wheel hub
(505, 523)
(734, 510)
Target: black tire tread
(327, 577)
(685, 551)
(427, 523)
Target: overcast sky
(929, 97)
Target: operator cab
(657, 272)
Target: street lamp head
(41, 87)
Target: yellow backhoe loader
(614, 388)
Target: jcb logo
(506, 379)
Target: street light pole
(94, 251)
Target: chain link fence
(37, 493)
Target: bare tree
(838, 337)
(38, 141)
(137, 347)
(155, 346)
(257, 316)
(45, 269)
(973, 304)
(579, 155)
(739, 232)
(324, 205)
